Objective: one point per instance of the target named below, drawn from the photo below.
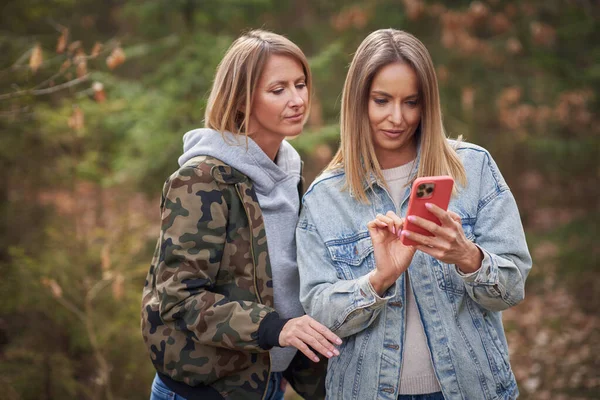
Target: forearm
(214, 320)
(346, 307)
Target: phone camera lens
(421, 186)
(420, 194)
(429, 190)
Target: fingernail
(400, 233)
(329, 354)
(394, 230)
(337, 353)
(411, 218)
(405, 233)
(339, 341)
(428, 205)
(316, 359)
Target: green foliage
(78, 235)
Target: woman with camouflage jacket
(221, 315)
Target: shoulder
(468, 150)
(208, 169)
(326, 181)
(473, 157)
(480, 166)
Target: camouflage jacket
(209, 286)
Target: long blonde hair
(230, 101)
(357, 153)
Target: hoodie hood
(246, 157)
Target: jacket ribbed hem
(419, 385)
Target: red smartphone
(429, 189)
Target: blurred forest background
(95, 96)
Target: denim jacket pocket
(353, 256)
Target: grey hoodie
(276, 186)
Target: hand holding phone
(431, 189)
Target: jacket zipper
(251, 244)
(237, 190)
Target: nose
(396, 114)
(296, 100)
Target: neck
(269, 144)
(401, 157)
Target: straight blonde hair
(356, 154)
(230, 101)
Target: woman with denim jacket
(221, 315)
(423, 321)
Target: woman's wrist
(473, 260)
(380, 283)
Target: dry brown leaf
(96, 49)
(116, 58)
(36, 59)
(99, 93)
(76, 120)
(61, 45)
(54, 287)
(74, 46)
(82, 68)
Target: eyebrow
(282, 82)
(382, 93)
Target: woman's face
(279, 103)
(394, 114)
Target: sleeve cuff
(269, 329)
(487, 274)
(367, 296)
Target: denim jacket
(461, 314)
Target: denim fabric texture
(275, 391)
(160, 391)
(461, 314)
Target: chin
(292, 132)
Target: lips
(393, 133)
(295, 118)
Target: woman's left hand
(449, 243)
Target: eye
(277, 91)
(412, 103)
(380, 101)
(301, 85)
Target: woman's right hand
(392, 258)
(304, 331)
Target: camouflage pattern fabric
(210, 285)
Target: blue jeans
(275, 391)
(429, 396)
(160, 391)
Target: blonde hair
(230, 101)
(357, 153)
